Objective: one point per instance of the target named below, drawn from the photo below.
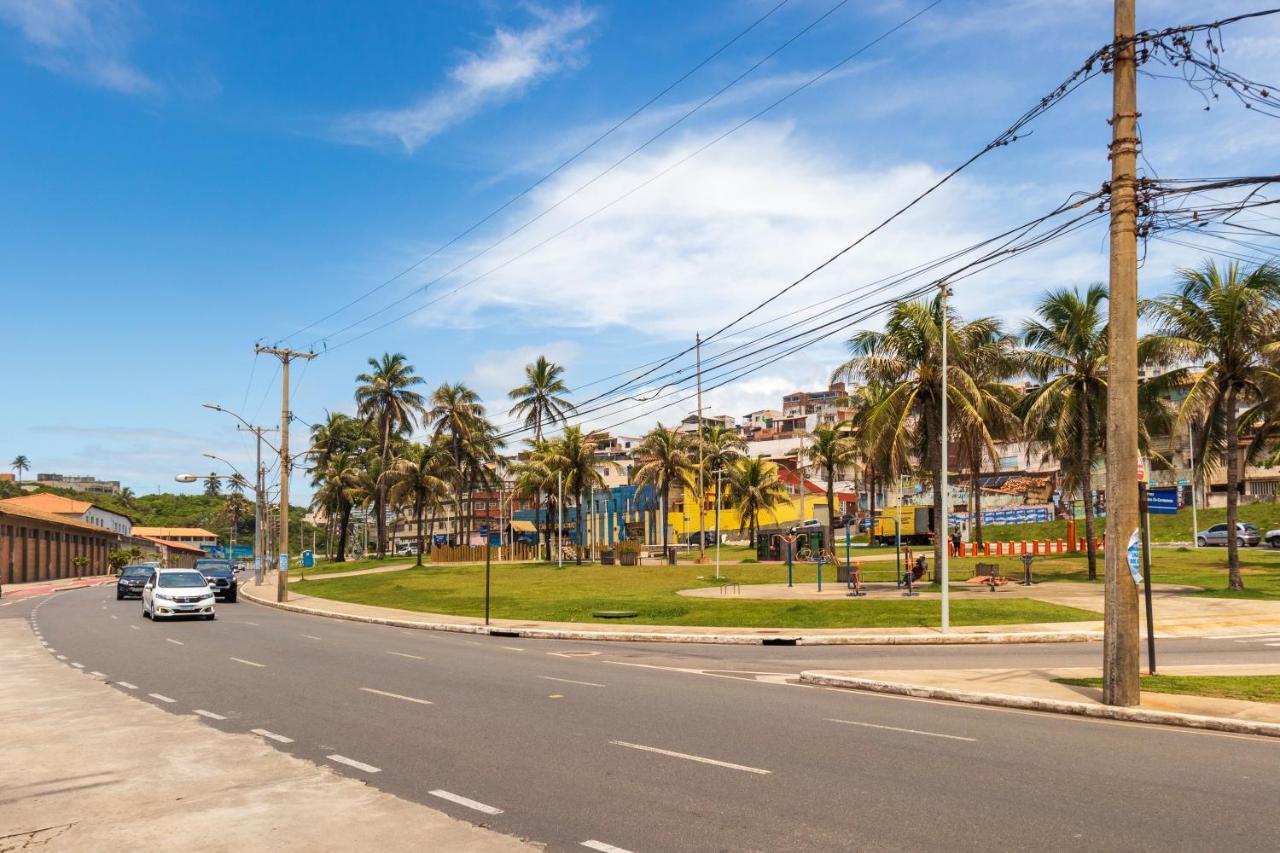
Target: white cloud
(511, 61)
(494, 372)
(83, 39)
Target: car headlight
(164, 596)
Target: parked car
(407, 549)
(1246, 534)
(176, 592)
(221, 575)
(696, 538)
(131, 580)
(1273, 538)
(807, 524)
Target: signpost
(1146, 506)
(484, 531)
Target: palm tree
(421, 477)
(236, 483)
(1067, 355)
(535, 475)
(574, 456)
(128, 498)
(663, 458)
(755, 487)
(832, 451)
(721, 447)
(538, 400)
(213, 486)
(875, 466)
(386, 399)
(905, 361)
(333, 495)
(1227, 319)
(20, 464)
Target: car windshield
(182, 579)
(213, 568)
(137, 572)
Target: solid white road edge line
(351, 762)
(161, 697)
(604, 848)
(463, 801)
(697, 758)
(397, 696)
(249, 662)
(571, 681)
(907, 731)
(209, 714)
(272, 736)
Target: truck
(914, 523)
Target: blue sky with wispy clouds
(181, 180)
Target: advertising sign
(1163, 501)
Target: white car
(177, 592)
(1273, 538)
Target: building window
(1008, 463)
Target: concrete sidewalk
(23, 590)
(1035, 689)
(86, 767)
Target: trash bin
(671, 556)
(842, 573)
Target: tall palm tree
(875, 465)
(20, 464)
(574, 455)
(905, 361)
(663, 457)
(721, 447)
(1227, 319)
(755, 487)
(832, 451)
(539, 399)
(334, 495)
(213, 486)
(421, 477)
(236, 483)
(1067, 355)
(535, 475)
(457, 413)
(128, 498)
(387, 401)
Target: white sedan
(177, 592)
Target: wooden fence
(475, 553)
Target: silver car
(1246, 534)
(1273, 538)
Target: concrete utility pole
(260, 502)
(1120, 645)
(285, 355)
(702, 524)
(941, 524)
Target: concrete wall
(34, 550)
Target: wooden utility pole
(702, 524)
(1120, 645)
(285, 355)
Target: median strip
(463, 801)
(351, 762)
(897, 729)
(700, 759)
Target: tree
(832, 451)
(721, 447)
(538, 401)
(1228, 320)
(457, 414)
(387, 401)
(573, 455)
(334, 495)
(663, 458)
(755, 487)
(535, 476)
(236, 483)
(20, 464)
(213, 486)
(1067, 355)
(128, 499)
(421, 477)
(904, 362)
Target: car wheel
(211, 617)
(1274, 542)
(1240, 541)
(119, 595)
(1201, 542)
(231, 599)
(145, 614)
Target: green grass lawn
(540, 591)
(325, 567)
(1202, 567)
(1164, 528)
(1254, 688)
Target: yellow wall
(786, 513)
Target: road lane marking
(61, 657)
(249, 663)
(209, 714)
(571, 681)
(698, 758)
(135, 627)
(78, 665)
(162, 697)
(254, 624)
(175, 642)
(351, 762)
(272, 736)
(397, 696)
(97, 674)
(113, 616)
(403, 655)
(604, 848)
(463, 801)
(513, 648)
(127, 686)
(906, 731)
(311, 637)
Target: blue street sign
(1163, 501)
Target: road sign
(1163, 501)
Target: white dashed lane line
(604, 848)
(351, 762)
(78, 665)
(62, 657)
(311, 637)
(175, 642)
(135, 627)
(513, 648)
(272, 736)
(904, 731)
(209, 714)
(571, 681)
(161, 697)
(403, 655)
(97, 674)
(248, 662)
(464, 801)
(126, 685)
(698, 758)
(397, 696)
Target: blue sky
(183, 179)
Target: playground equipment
(788, 539)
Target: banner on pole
(1134, 555)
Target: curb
(711, 639)
(1055, 706)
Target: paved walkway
(88, 767)
(15, 591)
(1039, 684)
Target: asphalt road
(653, 747)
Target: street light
(259, 509)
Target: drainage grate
(778, 641)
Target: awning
(519, 525)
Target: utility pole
(285, 355)
(702, 524)
(941, 524)
(259, 503)
(1120, 644)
